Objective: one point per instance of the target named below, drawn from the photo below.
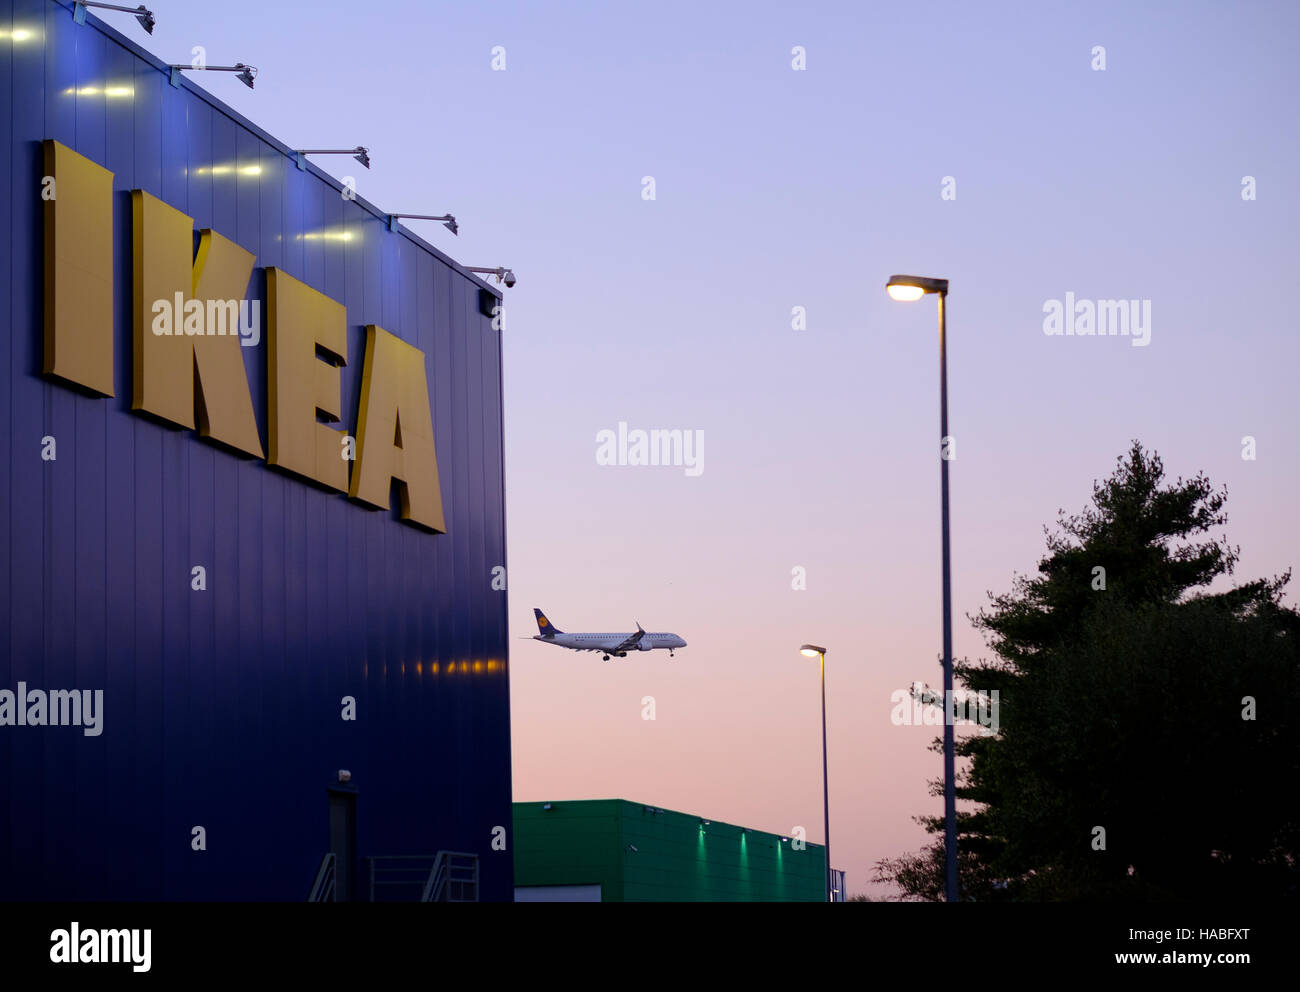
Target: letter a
(395, 432)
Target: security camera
(508, 277)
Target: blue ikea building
(251, 631)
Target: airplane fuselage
(613, 643)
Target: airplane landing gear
(607, 657)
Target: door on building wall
(343, 842)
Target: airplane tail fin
(544, 626)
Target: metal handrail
(448, 872)
(324, 889)
(437, 878)
(451, 876)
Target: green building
(613, 850)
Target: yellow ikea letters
(299, 321)
(189, 319)
(168, 367)
(395, 431)
(78, 217)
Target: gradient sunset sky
(776, 189)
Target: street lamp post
(813, 651)
(910, 288)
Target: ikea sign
(187, 311)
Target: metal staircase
(323, 889)
(448, 876)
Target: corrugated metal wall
(222, 708)
(677, 858)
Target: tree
(1147, 727)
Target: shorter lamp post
(813, 651)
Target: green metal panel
(572, 843)
(641, 853)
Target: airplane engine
(643, 646)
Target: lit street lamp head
(909, 288)
(811, 651)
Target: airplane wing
(632, 641)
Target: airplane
(608, 644)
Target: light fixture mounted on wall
(503, 274)
(142, 14)
(448, 221)
(359, 153)
(246, 73)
